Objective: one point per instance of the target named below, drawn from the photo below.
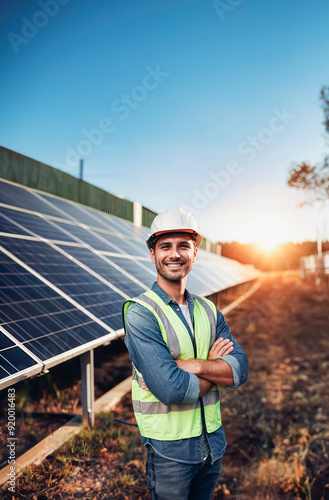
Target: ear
(152, 255)
(195, 253)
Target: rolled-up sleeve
(150, 355)
(193, 390)
(237, 360)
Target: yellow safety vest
(177, 421)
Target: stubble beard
(162, 271)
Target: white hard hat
(173, 220)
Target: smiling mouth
(174, 265)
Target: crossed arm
(212, 371)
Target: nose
(174, 252)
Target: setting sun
(267, 231)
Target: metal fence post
(88, 391)
(138, 210)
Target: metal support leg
(88, 393)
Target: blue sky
(192, 103)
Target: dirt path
(277, 425)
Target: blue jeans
(169, 480)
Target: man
(182, 350)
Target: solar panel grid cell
(14, 360)
(8, 226)
(5, 342)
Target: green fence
(147, 217)
(17, 168)
(23, 170)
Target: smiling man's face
(174, 255)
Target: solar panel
(7, 225)
(106, 267)
(85, 235)
(108, 222)
(19, 196)
(13, 359)
(66, 270)
(76, 282)
(121, 226)
(131, 247)
(13, 221)
(74, 211)
(141, 269)
(107, 231)
(37, 317)
(96, 219)
(101, 240)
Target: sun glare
(267, 232)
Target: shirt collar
(166, 299)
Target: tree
(324, 95)
(314, 179)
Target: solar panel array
(66, 270)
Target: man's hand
(205, 386)
(213, 369)
(221, 347)
(144, 386)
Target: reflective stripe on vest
(210, 312)
(172, 340)
(179, 421)
(155, 407)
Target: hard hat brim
(152, 239)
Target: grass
(91, 445)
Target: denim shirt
(171, 385)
